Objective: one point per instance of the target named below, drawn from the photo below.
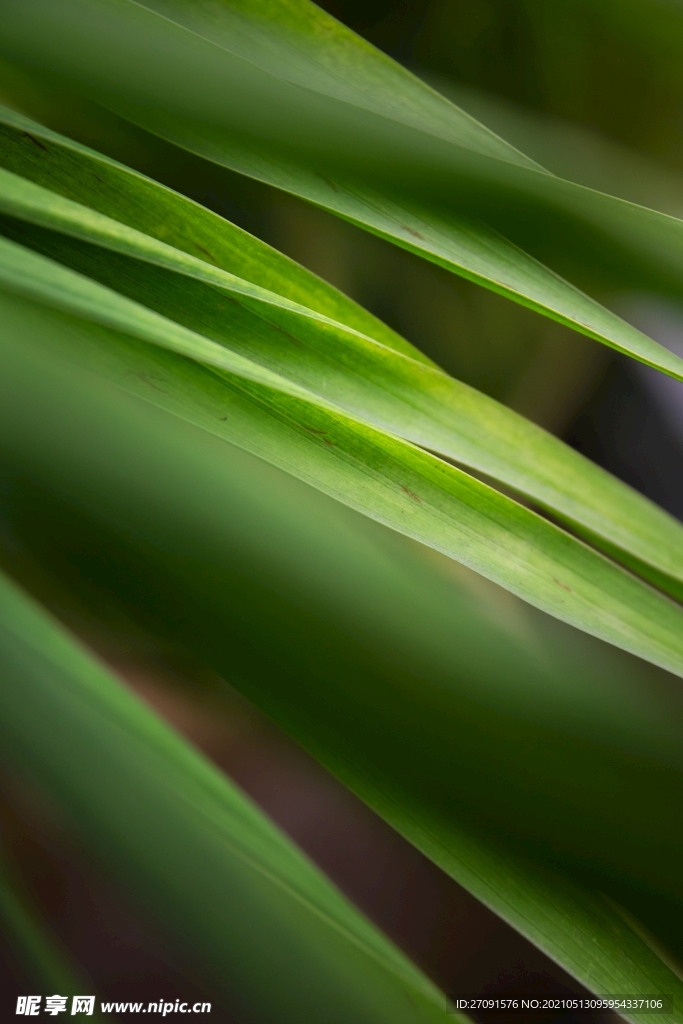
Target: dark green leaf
(189, 843)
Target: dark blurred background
(582, 87)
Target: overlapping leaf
(435, 702)
(186, 840)
(92, 179)
(364, 467)
(385, 152)
(324, 116)
(362, 375)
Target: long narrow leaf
(369, 380)
(79, 173)
(310, 140)
(190, 843)
(386, 478)
(435, 703)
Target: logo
(29, 1006)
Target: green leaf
(470, 722)
(386, 152)
(79, 173)
(575, 926)
(368, 469)
(189, 843)
(357, 374)
(450, 761)
(574, 152)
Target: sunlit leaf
(365, 378)
(444, 189)
(368, 469)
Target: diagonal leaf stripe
(310, 39)
(80, 173)
(146, 340)
(367, 379)
(303, 129)
(528, 896)
(198, 504)
(367, 469)
(142, 796)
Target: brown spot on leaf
(563, 585)
(321, 435)
(146, 379)
(288, 334)
(329, 182)
(411, 494)
(206, 252)
(36, 141)
(412, 231)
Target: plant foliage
(233, 429)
